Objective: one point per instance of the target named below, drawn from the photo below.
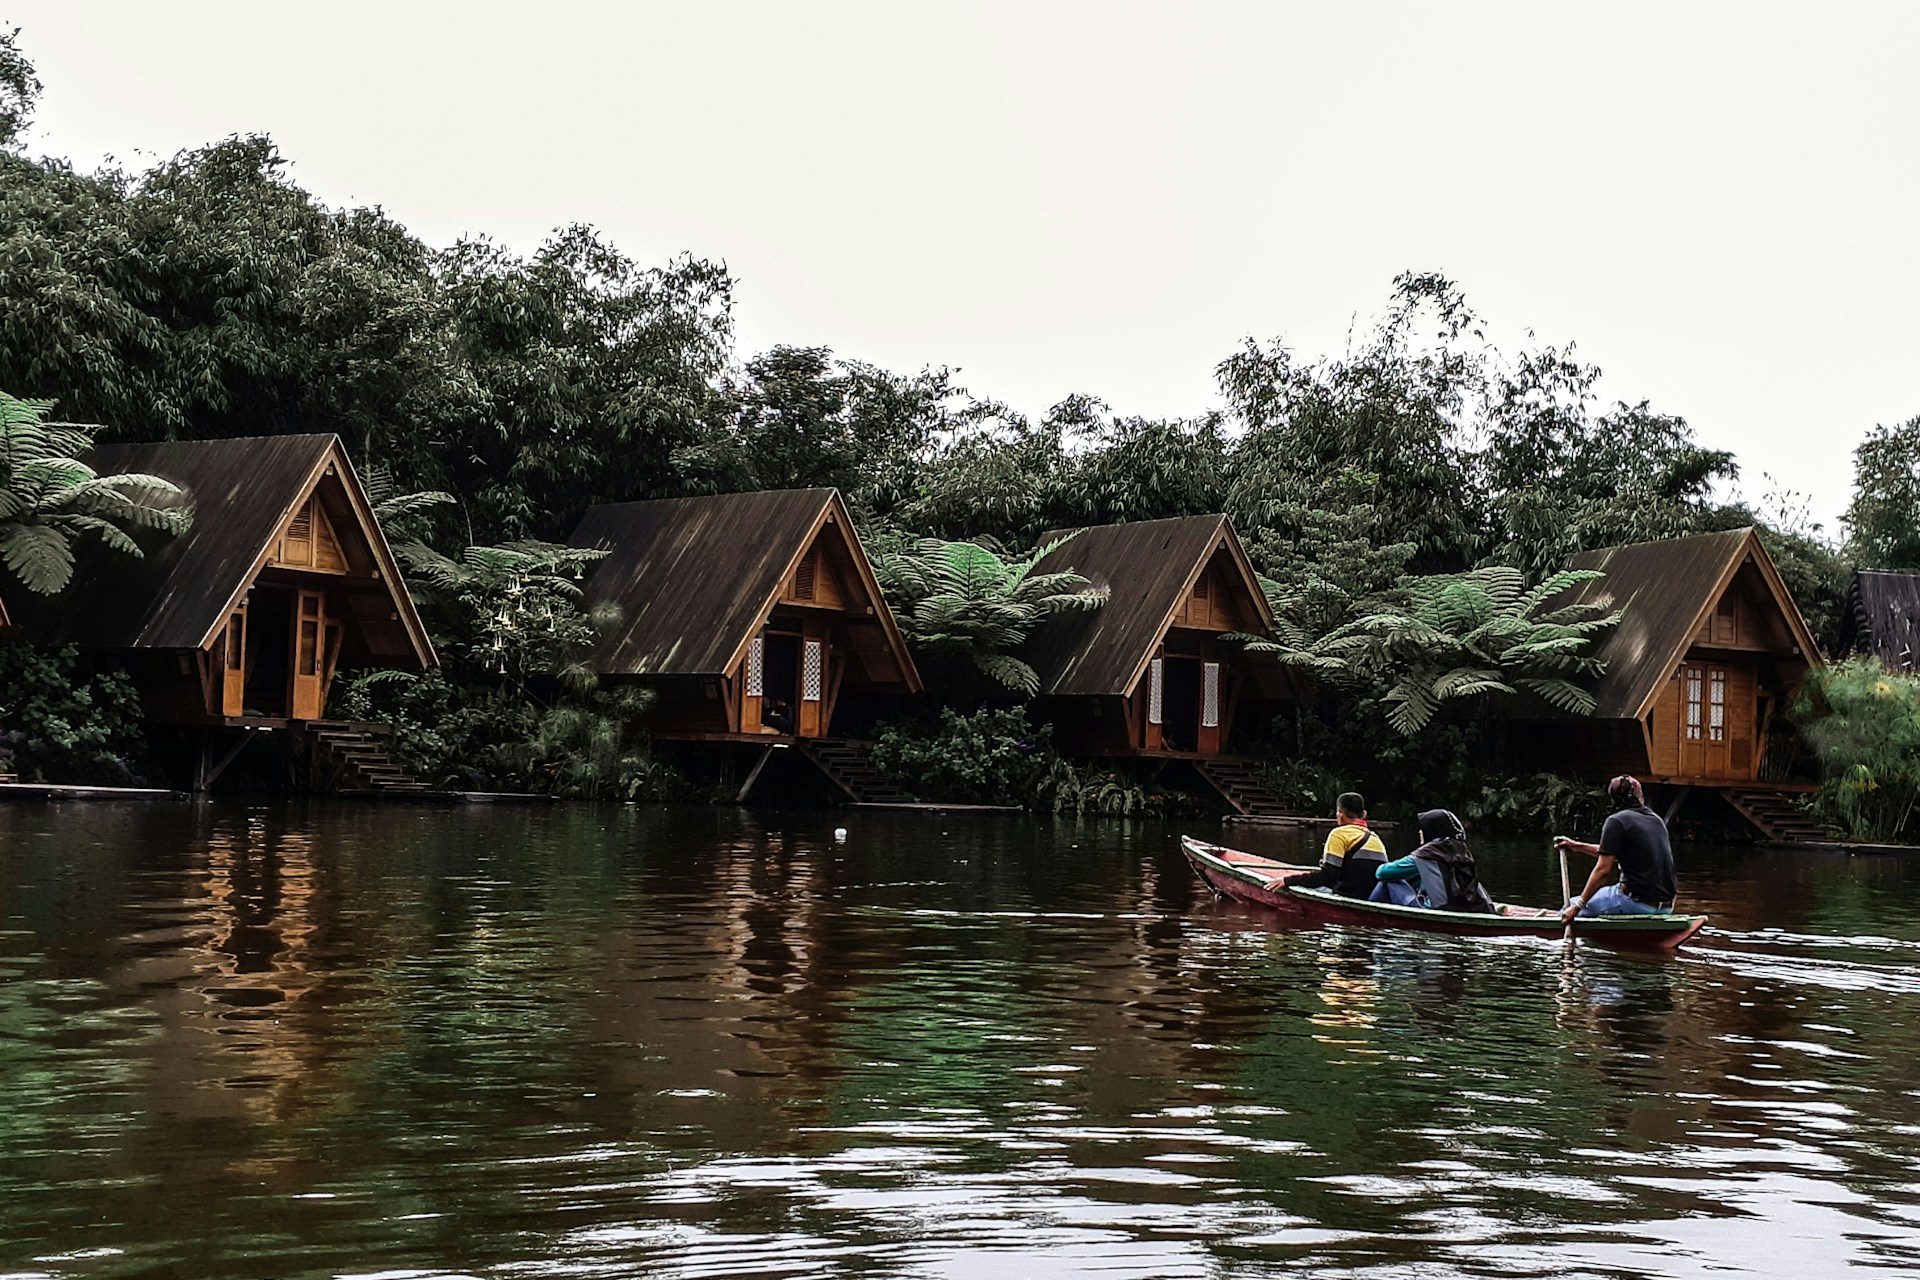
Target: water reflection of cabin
(1151, 675)
(282, 579)
(754, 618)
(1710, 649)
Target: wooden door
(1706, 729)
(307, 698)
(1207, 740)
(233, 665)
(811, 722)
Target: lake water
(288, 1040)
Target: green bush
(996, 756)
(991, 756)
(1088, 790)
(479, 738)
(59, 725)
(1542, 803)
(1863, 723)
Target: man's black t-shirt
(1637, 839)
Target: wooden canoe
(1247, 877)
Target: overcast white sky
(1717, 201)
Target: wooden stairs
(353, 757)
(1238, 781)
(1775, 816)
(848, 764)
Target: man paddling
(1351, 855)
(1634, 839)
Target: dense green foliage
(514, 706)
(50, 501)
(61, 723)
(987, 757)
(1412, 498)
(1863, 723)
(997, 756)
(1885, 514)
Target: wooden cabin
(1710, 649)
(1150, 674)
(1882, 618)
(754, 617)
(283, 578)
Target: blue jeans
(1400, 893)
(1613, 901)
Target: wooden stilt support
(209, 774)
(1680, 798)
(753, 775)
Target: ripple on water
(580, 1042)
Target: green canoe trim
(1665, 923)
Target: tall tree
(1884, 517)
(19, 88)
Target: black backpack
(1459, 878)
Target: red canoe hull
(1246, 878)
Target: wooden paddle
(1566, 891)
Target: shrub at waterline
(59, 725)
(996, 756)
(1863, 723)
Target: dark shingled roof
(694, 576)
(1882, 617)
(1666, 589)
(175, 597)
(1147, 568)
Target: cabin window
(1725, 616)
(1210, 695)
(1154, 690)
(756, 667)
(1717, 705)
(309, 542)
(813, 672)
(1693, 703)
(803, 577)
(299, 544)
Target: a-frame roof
(242, 492)
(1882, 617)
(1148, 568)
(1666, 589)
(695, 578)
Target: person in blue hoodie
(1440, 874)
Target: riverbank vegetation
(1863, 724)
(1413, 500)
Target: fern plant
(967, 598)
(51, 502)
(1484, 631)
(1329, 655)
